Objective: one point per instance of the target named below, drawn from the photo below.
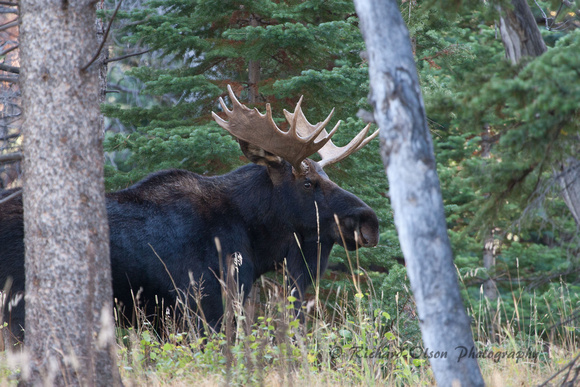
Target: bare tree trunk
(407, 152)
(489, 286)
(106, 369)
(489, 243)
(519, 32)
(10, 105)
(69, 325)
(489, 248)
(570, 183)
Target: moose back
(163, 230)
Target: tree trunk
(253, 72)
(489, 248)
(10, 105)
(490, 290)
(69, 325)
(519, 32)
(570, 183)
(489, 243)
(408, 157)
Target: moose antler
(331, 153)
(300, 141)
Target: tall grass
(350, 336)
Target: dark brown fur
(163, 231)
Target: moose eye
(307, 184)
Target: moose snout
(360, 229)
(368, 230)
(369, 235)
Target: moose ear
(258, 155)
(276, 165)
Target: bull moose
(163, 229)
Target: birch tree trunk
(69, 325)
(407, 152)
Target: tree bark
(489, 248)
(69, 324)
(570, 183)
(407, 153)
(490, 290)
(519, 32)
(253, 72)
(489, 243)
(10, 111)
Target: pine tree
(525, 116)
(270, 52)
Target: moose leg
(13, 314)
(12, 304)
(305, 265)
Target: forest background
(506, 135)
(503, 133)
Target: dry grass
(268, 346)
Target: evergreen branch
(514, 182)
(206, 65)
(11, 157)
(11, 196)
(542, 163)
(9, 69)
(137, 22)
(94, 58)
(127, 56)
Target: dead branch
(10, 136)
(94, 58)
(10, 69)
(8, 78)
(11, 196)
(11, 157)
(11, 24)
(9, 49)
(8, 10)
(569, 367)
(127, 56)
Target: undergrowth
(351, 335)
(357, 339)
